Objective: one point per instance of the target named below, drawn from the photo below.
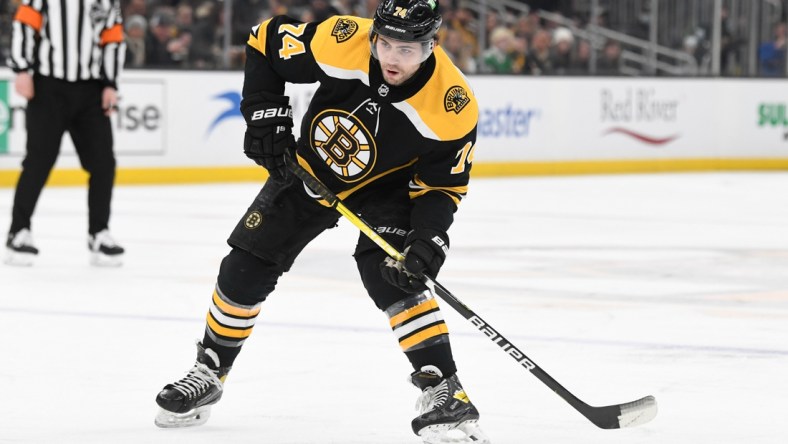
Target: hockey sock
(418, 325)
(227, 326)
(438, 355)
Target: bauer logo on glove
(269, 123)
(272, 112)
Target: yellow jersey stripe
(453, 197)
(462, 189)
(344, 194)
(259, 42)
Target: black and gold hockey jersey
(358, 129)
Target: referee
(67, 56)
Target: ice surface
(672, 285)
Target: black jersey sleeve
(440, 181)
(279, 51)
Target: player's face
(398, 60)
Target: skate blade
(466, 432)
(103, 260)
(169, 420)
(17, 259)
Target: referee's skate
(104, 250)
(20, 250)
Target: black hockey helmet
(408, 21)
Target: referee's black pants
(59, 106)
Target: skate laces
(197, 381)
(433, 397)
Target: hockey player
(391, 130)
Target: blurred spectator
(538, 62)
(464, 23)
(181, 46)
(771, 55)
(520, 50)
(563, 43)
(184, 17)
(249, 13)
(161, 33)
(459, 52)
(322, 10)
(136, 28)
(205, 48)
(7, 9)
(610, 62)
(730, 45)
(492, 22)
(527, 25)
(307, 16)
(500, 57)
(367, 8)
(580, 59)
(691, 46)
(346, 7)
(136, 7)
(695, 46)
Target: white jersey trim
(414, 117)
(345, 74)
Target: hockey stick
(616, 416)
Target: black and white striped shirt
(69, 39)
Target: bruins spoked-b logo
(344, 29)
(344, 144)
(253, 220)
(456, 99)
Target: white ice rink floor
(671, 285)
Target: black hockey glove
(425, 251)
(269, 132)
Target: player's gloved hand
(269, 132)
(425, 251)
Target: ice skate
(446, 415)
(104, 251)
(187, 402)
(19, 249)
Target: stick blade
(637, 412)
(630, 414)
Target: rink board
(185, 127)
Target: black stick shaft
(604, 417)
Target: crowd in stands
(522, 44)
(190, 34)
(176, 34)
